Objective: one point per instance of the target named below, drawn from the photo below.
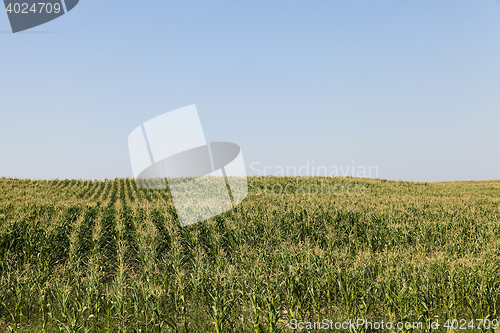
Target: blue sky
(411, 87)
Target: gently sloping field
(93, 256)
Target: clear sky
(412, 87)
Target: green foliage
(82, 256)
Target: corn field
(107, 256)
